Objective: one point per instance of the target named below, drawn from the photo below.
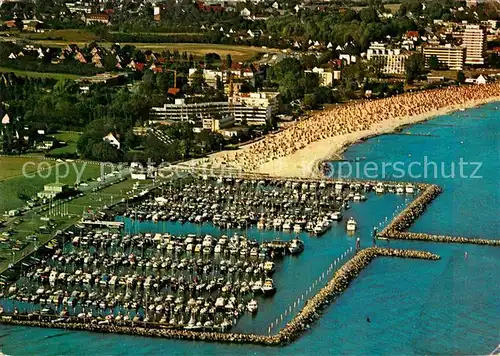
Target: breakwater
(429, 192)
(309, 313)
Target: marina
(293, 329)
(189, 282)
(435, 286)
(108, 270)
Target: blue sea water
(450, 306)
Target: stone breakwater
(395, 230)
(300, 323)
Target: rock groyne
(429, 192)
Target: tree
(309, 101)
(414, 67)
(368, 14)
(460, 77)
(434, 63)
(229, 62)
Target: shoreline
(332, 148)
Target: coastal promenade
(299, 324)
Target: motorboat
(336, 216)
(268, 287)
(269, 267)
(296, 247)
(257, 286)
(351, 224)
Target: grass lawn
(24, 73)
(14, 188)
(71, 139)
(12, 166)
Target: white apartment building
(325, 76)
(474, 41)
(254, 108)
(449, 56)
(216, 125)
(210, 76)
(392, 60)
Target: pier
(111, 224)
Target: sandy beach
(298, 150)
(304, 162)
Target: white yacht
(336, 216)
(252, 306)
(380, 188)
(400, 189)
(357, 197)
(287, 225)
(351, 224)
(296, 247)
(297, 228)
(257, 286)
(339, 186)
(321, 227)
(410, 189)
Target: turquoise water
(449, 306)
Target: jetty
(396, 228)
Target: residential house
(112, 140)
(97, 18)
(245, 13)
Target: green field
(17, 188)
(13, 166)
(61, 38)
(70, 138)
(24, 73)
(70, 35)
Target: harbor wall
(299, 324)
(396, 228)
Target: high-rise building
(474, 41)
(448, 56)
